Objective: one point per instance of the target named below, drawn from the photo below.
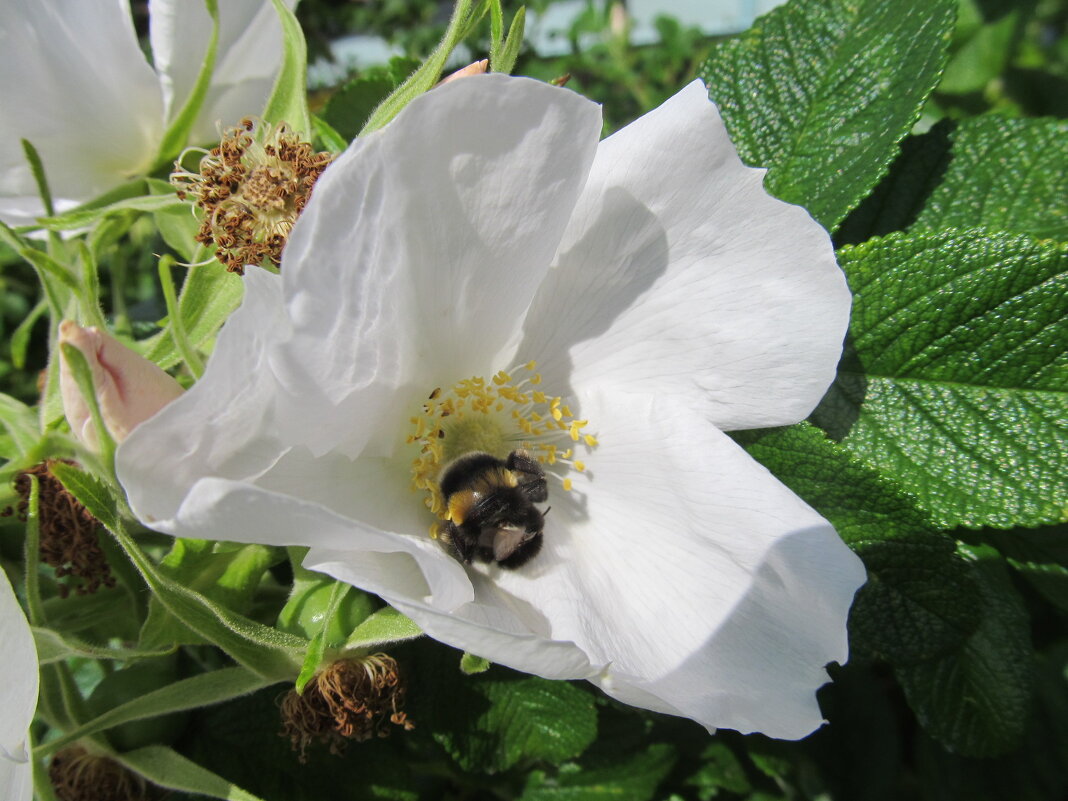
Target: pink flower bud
(129, 388)
(477, 68)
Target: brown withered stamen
(252, 188)
(68, 532)
(352, 699)
(77, 775)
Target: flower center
(507, 413)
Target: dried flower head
(252, 188)
(69, 540)
(77, 775)
(353, 699)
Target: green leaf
(197, 691)
(1040, 556)
(20, 422)
(270, 653)
(956, 384)
(981, 57)
(919, 601)
(85, 216)
(178, 225)
(633, 777)
(225, 573)
(976, 702)
(1033, 772)
(53, 646)
(288, 102)
(169, 769)
(350, 106)
(901, 196)
(490, 722)
(1005, 174)
(177, 134)
(821, 91)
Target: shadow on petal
(759, 671)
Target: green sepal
(313, 657)
(176, 324)
(83, 376)
(288, 102)
(463, 20)
(510, 52)
(327, 138)
(40, 179)
(177, 134)
(472, 665)
(167, 768)
(209, 296)
(821, 91)
(384, 627)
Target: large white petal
(78, 87)
(224, 426)
(249, 55)
(421, 248)
(680, 274)
(18, 696)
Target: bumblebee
(490, 507)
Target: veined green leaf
(288, 102)
(1007, 175)
(201, 690)
(956, 387)
(169, 769)
(821, 91)
(976, 701)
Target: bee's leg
(457, 541)
(531, 476)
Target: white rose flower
(78, 87)
(18, 697)
(484, 275)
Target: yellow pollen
(496, 416)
